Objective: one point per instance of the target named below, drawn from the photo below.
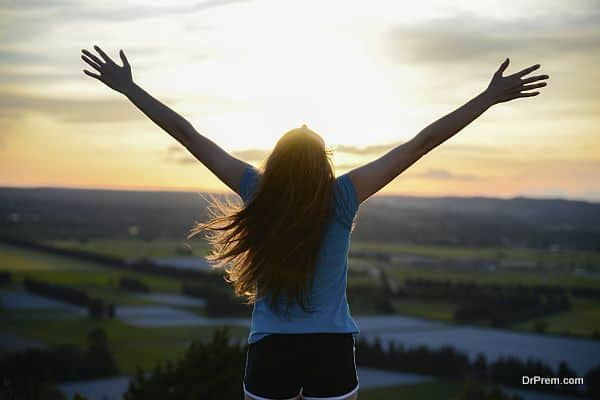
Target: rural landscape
(469, 133)
(456, 297)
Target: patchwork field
(160, 325)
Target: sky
(367, 76)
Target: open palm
(510, 87)
(112, 75)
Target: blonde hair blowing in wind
(270, 246)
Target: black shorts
(320, 365)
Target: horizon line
(226, 192)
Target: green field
(582, 320)
(67, 271)
(499, 276)
(437, 310)
(544, 267)
(507, 256)
(127, 248)
(437, 390)
(134, 346)
(131, 346)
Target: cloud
(258, 155)
(380, 149)
(20, 57)
(178, 154)
(73, 10)
(77, 110)
(130, 12)
(252, 155)
(442, 174)
(367, 150)
(465, 37)
(68, 109)
(32, 22)
(174, 149)
(9, 77)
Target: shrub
(5, 277)
(207, 371)
(476, 391)
(32, 373)
(592, 381)
(133, 285)
(219, 299)
(96, 307)
(540, 326)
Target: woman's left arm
(225, 166)
(373, 176)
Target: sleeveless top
(327, 299)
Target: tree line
(219, 299)
(32, 374)
(97, 308)
(446, 362)
(499, 304)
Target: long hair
(270, 246)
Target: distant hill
(519, 221)
(54, 213)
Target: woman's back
(327, 299)
(318, 365)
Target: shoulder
(346, 199)
(248, 183)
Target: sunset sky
(365, 75)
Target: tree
(207, 371)
(540, 326)
(592, 380)
(98, 361)
(474, 390)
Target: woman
(286, 248)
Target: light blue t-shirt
(331, 313)
(328, 296)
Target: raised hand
(510, 87)
(112, 75)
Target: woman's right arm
(370, 178)
(226, 167)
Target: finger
(534, 78)
(91, 63)
(88, 73)
(516, 95)
(526, 70)
(534, 86)
(124, 59)
(92, 56)
(103, 54)
(527, 94)
(503, 67)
